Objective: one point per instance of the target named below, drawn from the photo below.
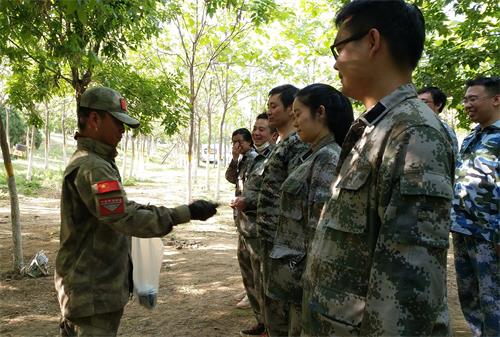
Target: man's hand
(238, 203)
(202, 209)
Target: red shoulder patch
(111, 206)
(108, 186)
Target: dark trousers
(249, 262)
(102, 325)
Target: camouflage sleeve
(101, 191)
(232, 172)
(407, 284)
(253, 184)
(323, 171)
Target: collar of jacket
(375, 114)
(328, 139)
(106, 151)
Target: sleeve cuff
(181, 214)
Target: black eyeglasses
(354, 37)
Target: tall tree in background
(205, 30)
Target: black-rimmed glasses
(354, 37)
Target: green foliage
(17, 126)
(463, 42)
(40, 181)
(149, 96)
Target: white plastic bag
(147, 257)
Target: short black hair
(83, 114)
(438, 96)
(490, 84)
(401, 24)
(338, 108)
(247, 135)
(264, 115)
(286, 93)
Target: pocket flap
(355, 178)
(426, 183)
(293, 186)
(283, 252)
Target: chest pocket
(293, 195)
(348, 207)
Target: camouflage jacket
(377, 263)
(93, 267)
(282, 161)
(251, 193)
(453, 137)
(237, 173)
(476, 206)
(303, 195)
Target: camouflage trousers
(478, 280)
(249, 262)
(276, 311)
(101, 325)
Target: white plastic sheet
(147, 257)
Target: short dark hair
(438, 96)
(490, 84)
(83, 114)
(264, 115)
(338, 108)
(247, 136)
(286, 93)
(401, 24)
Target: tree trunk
(7, 126)
(14, 203)
(31, 150)
(63, 130)
(124, 154)
(198, 145)
(196, 138)
(190, 149)
(132, 160)
(209, 146)
(47, 136)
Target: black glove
(202, 209)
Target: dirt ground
(198, 281)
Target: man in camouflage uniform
(93, 266)
(476, 210)
(377, 264)
(237, 173)
(435, 99)
(282, 161)
(246, 204)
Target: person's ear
(321, 113)
(496, 100)
(375, 41)
(94, 121)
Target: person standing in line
(282, 161)
(322, 118)
(435, 99)
(246, 204)
(476, 210)
(93, 272)
(377, 263)
(237, 173)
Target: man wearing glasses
(377, 264)
(476, 206)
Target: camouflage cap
(107, 99)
